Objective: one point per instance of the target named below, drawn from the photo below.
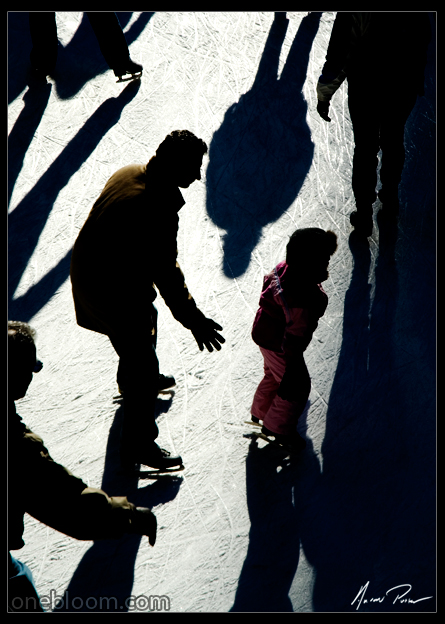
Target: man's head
(22, 362)
(180, 153)
(308, 253)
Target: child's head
(308, 253)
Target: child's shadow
(261, 154)
(103, 580)
(277, 487)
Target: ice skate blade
(286, 449)
(154, 474)
(124, 78)
(151, 473)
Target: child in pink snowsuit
(291, 303)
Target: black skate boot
(156, 457)
(152, 456)
(129, 67)
(291, 442)
(166, 382)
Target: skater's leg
(139, 373)
(110, 37)
(43, 30)
(365, 125)
(265, 393)
(282, 415)
(392, 133)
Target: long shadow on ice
(103, 580)
(24, 129)
(276, 519)
(27, 220)
(372, 518)
(261, 154)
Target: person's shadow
(103, 580)
(372, 516)
(276, 514)
(27, 220)
(263, 150)
(24, 129)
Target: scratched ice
(243, 528)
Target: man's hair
(181, 143)
(20, 335)
(307, 243)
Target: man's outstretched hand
(206, 335)
(323, 110)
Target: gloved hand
(323, 110)
(206, 335)
(143, 522)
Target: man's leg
(139, 373)
(365, 124)
(112, 42)
(392, 133)
(43, 30)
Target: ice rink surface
(244, 527)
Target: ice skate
(255, 421)
(166, 382)
(128, 71)
(159, 459)
(292, 443)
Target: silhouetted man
(126, 247)
(383, 56)
(46, 490)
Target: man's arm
(53, 495)
(169, 280)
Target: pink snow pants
(277, 414)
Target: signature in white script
(399, 595)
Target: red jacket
(288, 313)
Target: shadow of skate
(103, 580)
(262, 152)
